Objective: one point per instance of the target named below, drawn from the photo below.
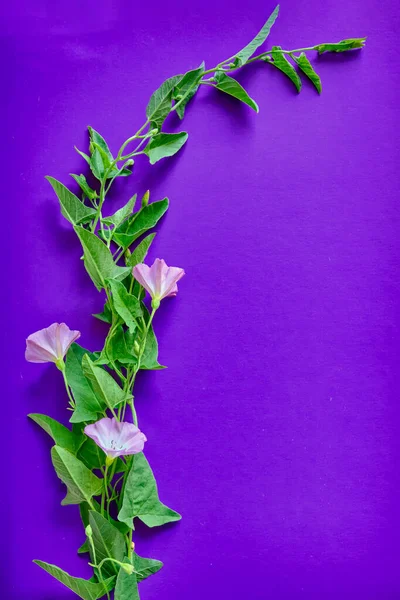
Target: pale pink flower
(116, 438)
(50, 344)
(159, 279)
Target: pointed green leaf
(105, 315)
(123, 213)
(71, 207)
(108, 542)
(163, 145)
(145, 567)
(160, 102)
(140, 252)
(121, 347)
(242, 56)
(150, 354)
(127, 306)
(140, 222)
(140, 499)
(85, 187)
(280, 61)
(341, 46)
(233, 88)
(63, 437)
(103, 385)
(81, 483)
(186, 88)
(88, 405)
(97, 139)
(83, 588)
(304, 64)
(126, 587)
(99, 262)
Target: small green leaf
(63, 437)
(85, 187)
(81, 483)
(160, 102)
(103, 384)
(71, 207)
(127, 306)
(242, 56)
(186, 88)
(304, 64)
(280, 61)
(123, 213)
(341, 46)
(163, 145)
(92, 455)
(140, 222)
(233, 88)
(83, 588)
(140, 252)
(106, 315)
(99, 262)
(120, 347)
(108, 542)
(101, 143)
(126, 587)
(145, 567)
(140, 499)
(150, 355)
(87, 405)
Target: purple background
(275, 429)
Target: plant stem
(71, 398)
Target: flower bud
(129, 162)
(127, 568)
(154, 131)
(145, 199)
(88, 531)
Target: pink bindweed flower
(116, 438)
(159, 279)
(50, 344)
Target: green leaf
(108, 542)
(84, 156)
(101, 143)
(186, 88)
(140, 499)
(104, 386)
(304, 64)
(63, 437)
(97, 165)
(83, 184)
(87, 405)
(81, 483)
(160, 102)
(140, 222)
(92, 455)
(127, 306)
(140, 252)
(342, 46)
(120, 347)
(99, 262)
(280, 61)
(150, 354)
(233, 88)
(71, 207)
(163, 145)
(83, 588)
(145, 567)
(123, 213)
(127, 586)
(106, 315)
(242, 56)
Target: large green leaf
(140, 499)
(233, 88)
(126, 305)
(85, 510)
(242, 56)
(341, 46)
(163, 145)
(280, 61)
(71, 207)
(304, 64)
(186, 88)
(88, 406)
(140, 252)
(123, 213)
(63, 437)
(107, 390)
(126, 587)
(99, 262)
(83, 588)
(121, 347)
(81, 483)
(108, 542)
(140, 222)
(160, 102)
